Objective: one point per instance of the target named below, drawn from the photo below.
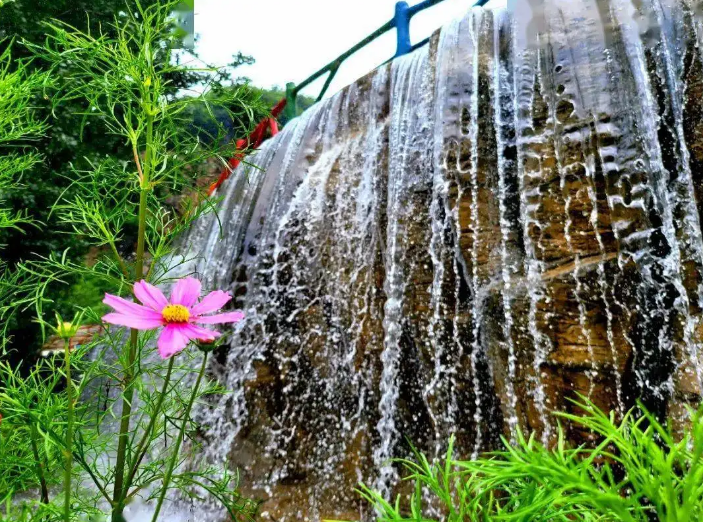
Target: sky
(292, 39)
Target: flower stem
(127, 398)
(143, 445)
(68, 451)
(119, 492)
(38, 461)
(179, 441)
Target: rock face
(459, 242)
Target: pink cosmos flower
(178, 316)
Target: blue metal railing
(400, 22)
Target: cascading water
(457, 243)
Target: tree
(75, 142)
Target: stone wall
(461, 241)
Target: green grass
(638, 470)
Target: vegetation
(27, 460)
(120, 78)
(20, 127)
(107, 105)
(638, 470)
(272, 96)
(73, 143)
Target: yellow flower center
(175, 314)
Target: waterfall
(458, 243)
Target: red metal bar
(253, 141)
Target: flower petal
(186, 292)
(123, 306)
(150, 295)
(229, 317)
(133, 321)
(211, 303)
(172, 340)
(199, 333)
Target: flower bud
(207, 346)
(65, 329)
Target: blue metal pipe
(401, 22)
(403, 14)
(422, 6)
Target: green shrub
(637, 470)
(29, 459)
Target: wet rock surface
(458, 243)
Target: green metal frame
(401, 22)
